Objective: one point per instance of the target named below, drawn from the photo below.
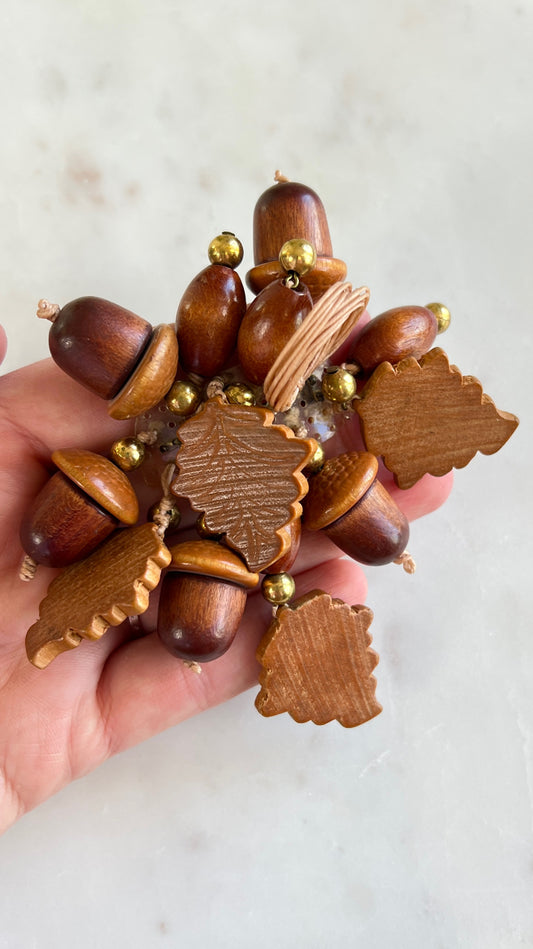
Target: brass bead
(174, 512)
(226, 249)
(278, 588)
(316, 462)
(297, 256)
(128, 453)
(338, 385)
(203, 531)
(239, 394)
(442, 314)
(183, 398)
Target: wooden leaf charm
(317, 664)
(425, 417)
(101, 591)
(245, 475)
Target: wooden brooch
(233, 407)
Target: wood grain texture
(244, 473)
(152, 377)
(63, 525)
(340, 483)
(101, 480)
(98, 343)
(394, 335)
(101, 591)
(374, 531)
(268, 325)
(208, 319)
(425, 417)
(286, 210)
(317, 663)
(198, 616)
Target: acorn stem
(28, 569)
(406, 561)
(280, 177)
(47, 310)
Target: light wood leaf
(425, 417)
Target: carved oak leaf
(317, 664)
(98, 592)
(425, 417)
(245, 475)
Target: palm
(58, 724)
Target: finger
(144, 690)
(3, 344)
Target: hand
(102, 697)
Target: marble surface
(132, 133)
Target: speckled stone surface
(132, 134)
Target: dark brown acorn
(211, 309)
(291, 210)
(77, 509)
(113, 352)
(356, 512)
(203, 596)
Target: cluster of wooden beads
(207, 380)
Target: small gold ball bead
(174, 512)
(183, 398)
(239, 394)
(203, 530)
(128, 453)
(442, 314)
(226, 249)
(338, 385)
(278, 588)
(297, 255)
(316, 462)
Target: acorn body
(113, 352)
(208, 319)
(98, 343)
(357, 513)
(203, 596)
(77, 509)
(395, 334)
(270, 321)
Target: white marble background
(133, 132)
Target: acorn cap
(339, 485)
(152, 377)
(210, 559)
(284, 211)
(101, 480)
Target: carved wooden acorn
(113, 352)
(395, 334)
(77, 508)
(353, 508)
(269, 323)
(211, 309)
(292, 210)
(203, 596)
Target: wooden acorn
(77, 509)
(395, 334)
(356, 512)
(113, 352)
(292, 210)
(211, 309)
(203, 596)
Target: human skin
(60, 723)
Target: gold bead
(298, 256)
(338, 385)
(173, 513)
(128, 453)
(226, 249)
(316, 462)
(183, 398)
(443, 315)
(239, 394)
(278, 588)
(203, 530)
